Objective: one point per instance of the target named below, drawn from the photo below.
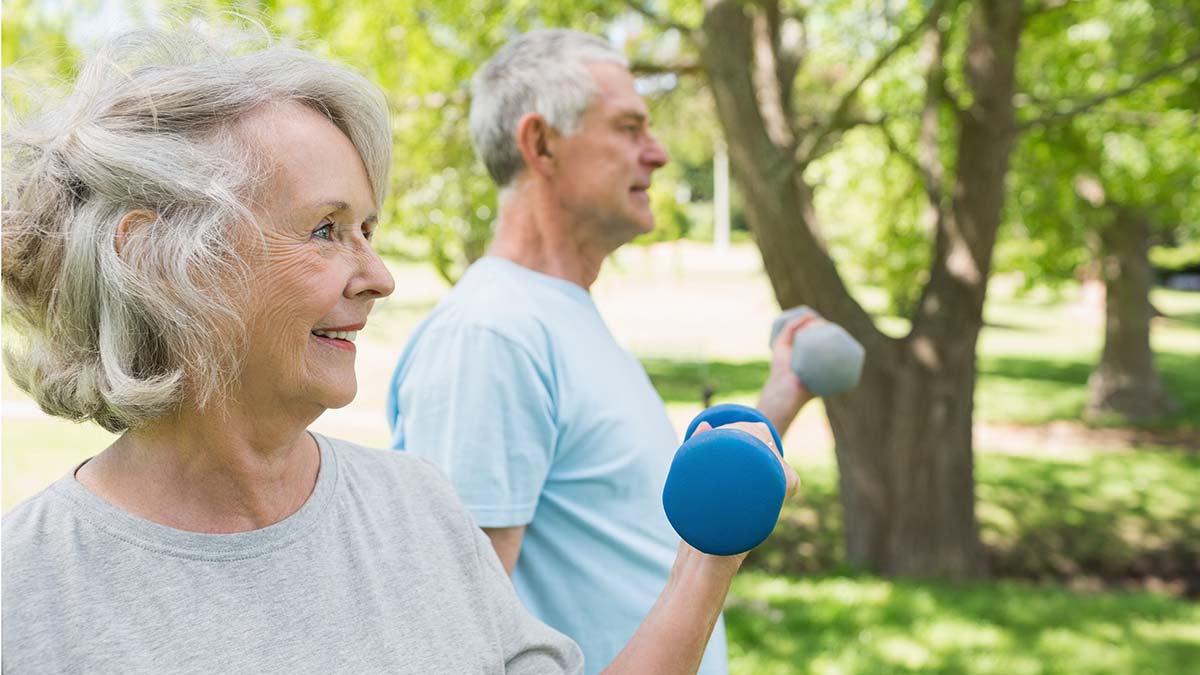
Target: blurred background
(1000, 199)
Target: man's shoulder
(492, 309)
(490, 293)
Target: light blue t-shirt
(516, 389)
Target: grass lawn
(832, 625)
(1091, 520)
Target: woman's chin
(340, 400)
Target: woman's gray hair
(151, 132)
(543, 71)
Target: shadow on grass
(1113, 518)
(1036, 391)
(1124, 519)
(864, 625)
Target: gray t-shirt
(381, 570)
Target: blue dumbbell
(726, 487)
(826, 358)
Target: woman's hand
(763, 433)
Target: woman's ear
(534, 138)
(131, 225)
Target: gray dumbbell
(826, 358)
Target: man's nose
(655, 155)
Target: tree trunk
(903, 436)
(1125, 381)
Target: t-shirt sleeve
(530, 646)
(480, 407)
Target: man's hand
(783, 394)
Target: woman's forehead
(311, 161)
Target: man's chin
(643, 221)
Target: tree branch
(1084, 106)
(931, 185)
(1048, 6)
(656, 18)
(677, 68)
(788, 41)
(949, 97)
(804, 153)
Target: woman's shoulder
(36, 523)
(403, 492)
(389, 470)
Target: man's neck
(536, 233)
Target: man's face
(604, 169)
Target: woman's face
(314, 275)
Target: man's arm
(507, 542)
(476, 404)
(783, 394)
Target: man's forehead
(616, 94)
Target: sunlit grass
(865, 626)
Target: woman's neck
(211, 471)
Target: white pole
(720, 197)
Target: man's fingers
(788, 334)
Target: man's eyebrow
(633, 115)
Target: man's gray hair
(153, 125)
(543, 71)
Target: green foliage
(1138, 151)
(34, 38)
(1175, 258)
(876, 217)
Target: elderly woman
(186, 251)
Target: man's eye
(324, 230)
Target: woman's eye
(324, 230)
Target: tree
(903, 437)
(1103, 183)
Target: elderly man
(550, 432)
